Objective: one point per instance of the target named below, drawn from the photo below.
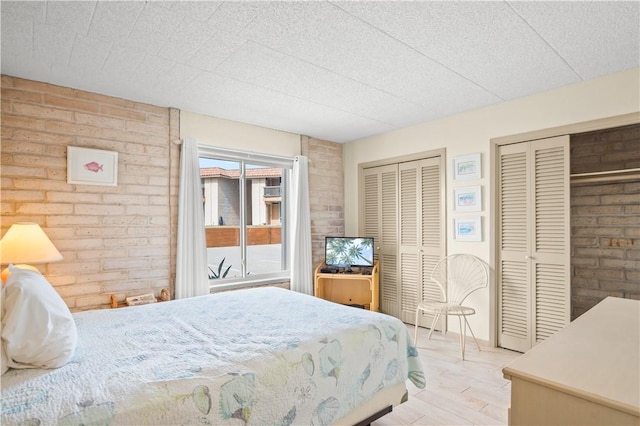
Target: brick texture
(114, 239)
(326, 192)
(605, 219)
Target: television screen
(348, 251)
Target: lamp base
(7, 272)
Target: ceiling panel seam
(544, 40)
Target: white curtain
(300, 244)
(191, 262)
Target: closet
(402, 208)
(605, 216)
(566, 225)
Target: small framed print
(468, 228)
(89, 166)
(468, 199)
(467, 167)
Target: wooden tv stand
(349, 288)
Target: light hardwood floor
(469, 392)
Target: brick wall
(114, 239)
(605, 219)
(326, 192)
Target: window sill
(238, 283)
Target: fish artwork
(94, 167)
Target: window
(244, 200)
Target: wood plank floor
(469, 392)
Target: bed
(257, 356)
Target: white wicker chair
(461, 275)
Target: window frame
(244, 158)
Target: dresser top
(596, 357)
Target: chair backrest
(459, 275)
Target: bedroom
(121, 240)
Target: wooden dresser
(588, 373)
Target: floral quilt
(264, 356)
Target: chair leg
(463, 333)
(474, 336)
(433, 324)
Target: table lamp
(26, 243)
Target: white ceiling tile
(152, 28)
(215, 50)
(319, 33)
(482, 41)
(576, 28)
(52, 44)
(302, 80)
(176, 78)
(209, 89)
(189, 36)
(150, 70)
(323, 35)
(16, 37)
(89, 54)
(199, 10)
(71, 15)
(157, 19)
(23, 11)
(114, 20)
(232, 16)
(121, 62)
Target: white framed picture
(88, 166)
(467, 228)
(467, 167)
(467, 199)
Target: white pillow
(38, 328)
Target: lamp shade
(26, 242)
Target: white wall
(471, 132)
(235, 135)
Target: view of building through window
(243, 217)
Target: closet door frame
(495, 143)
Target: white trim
(253, 157)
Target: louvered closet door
(533, 235)
(380, 206)
(421, 234)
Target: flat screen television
(348, 251)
